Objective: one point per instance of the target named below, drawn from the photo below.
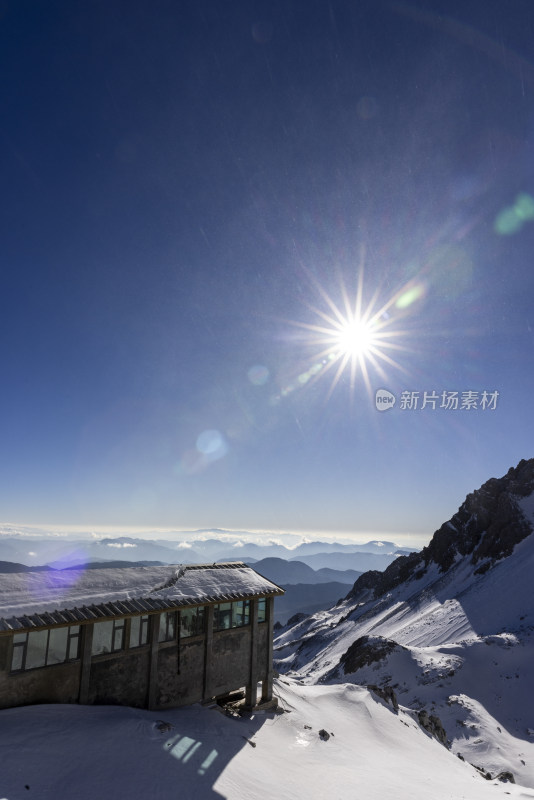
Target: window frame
(143, 632)
(262, 602)
(118, 626)
(73, 635)
(230, 612)
(166, 617)
(198, 624)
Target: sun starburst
(355, 338)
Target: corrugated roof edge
(131, 606)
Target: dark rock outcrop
(386, 693)
(505, 776)
(483, 772)
(433, 725)
(486, 527)
(366, 650)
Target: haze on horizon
(226, 226)
(184, 537)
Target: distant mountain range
(341, 560)
(291, 572)
(449, 631)
(61, 553)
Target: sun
(356, 338)
(353, 338)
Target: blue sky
(188, 186)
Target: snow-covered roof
(49, 597)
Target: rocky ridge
(486, 527)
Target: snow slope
(90, 752)
(462, 647)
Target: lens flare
(512, 218)
(410, 296)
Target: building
(151, 637)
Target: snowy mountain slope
(86, 752)
(455, 635)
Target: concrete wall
(58, 684)
(230, 661)
(180, 674)
(120, 679)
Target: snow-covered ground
(55, 752)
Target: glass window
(16, 661)
(222, 619)
(135, 628)
(167, 626)
(143, 635)
(201, 617)
(57, 645)
(231, 615)
(45, 647)
(108, 636)
(191, 621)
(187, 617)
(237, 614)
(19, 646)
(36, 649)
(262, 611)
(240, 613)
(74, 643)
(102, 637)
(118, 634)
(139, 631)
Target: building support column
(153, 661)
(208, 642)
(251, 696)
(267, 682)
(127, 630)
(85, 666)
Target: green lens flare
(410, 296)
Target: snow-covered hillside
(454, 637)
(92, 752)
